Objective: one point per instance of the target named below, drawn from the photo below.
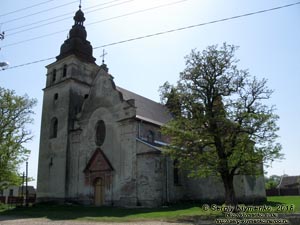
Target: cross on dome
(79, 16)
(103, 55)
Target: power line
(197, 25)
(28, 7)
(100, 21)
(29, 63)
(138, 11)
(35, 27)
(39, 12)
(55, 17)
(42, 25)
(171, 31)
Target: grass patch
(115, 214)
(286, 202)
(3, 207)
(111, 214)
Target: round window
(100, 133)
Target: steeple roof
(77, 44)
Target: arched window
(54, 75)
(65, 71)
(55, 96)
(100, 133)
(51, 161)
(53, 128)
(150, 136)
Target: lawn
(114, 214)
(285, 200)
(111, 214)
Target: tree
(223, 128)
(15, 114)
(272, 182)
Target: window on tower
(51, 161)
(53, 128)
(55, 96)
(54, 75)
(65, 71)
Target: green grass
(114, 214)
(285, 200)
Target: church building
(101, 144)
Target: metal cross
(103, 54)
(79, 4)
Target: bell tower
(68, 82)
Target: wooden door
(99, 192)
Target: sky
(269, 47)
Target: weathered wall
(150, 174)
(105, 103)
(54, 151)
(247, 189)
(175, 191)
(254, 189)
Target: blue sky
(269, 48)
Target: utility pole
(22, 193)
(26, 194)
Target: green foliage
(15, 114)
(223, 128)
(272, 181)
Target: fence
(283, 191)
(15, 200)
(2, 199)
(12, 200)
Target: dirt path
(38, 221)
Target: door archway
(98, 175)
(99, 191)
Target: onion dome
(76, 44)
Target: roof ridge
(147, 109)
(141, 96)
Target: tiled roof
(147, 109)
(290, 181)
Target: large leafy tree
(15, 114)
(221, 125)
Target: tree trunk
(229, 189)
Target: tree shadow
(105, 213)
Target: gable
(98, 162)
(104, 93)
